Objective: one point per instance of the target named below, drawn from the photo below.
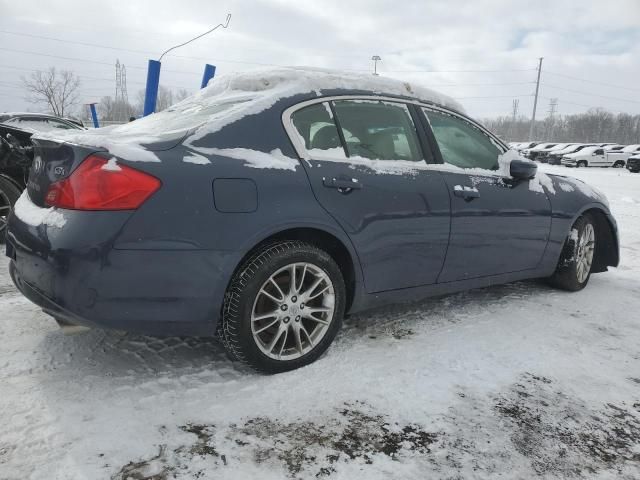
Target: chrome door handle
(344, 185)
(468, 193)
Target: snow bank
(31, 214)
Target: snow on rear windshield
(180, 117)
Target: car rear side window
(317, 128)
(461, 143)
(378, 130)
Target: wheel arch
(340, 250)
(607, 253)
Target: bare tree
(56, 89)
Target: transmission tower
(514, 116)
(553, 105)
(121, 98)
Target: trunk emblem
(58, 170)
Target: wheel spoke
(277, 320)
(314, 286)
(274, 340)
(318, 309)
(5, 207)
(311, 297)
(292, 279)
(264, 316)
(268, 295)
(304, 273)
(315, 319)
(298, 340)
(306, 334)
(273, 282)
(286, 335)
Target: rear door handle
(344, 185)
(468, 193)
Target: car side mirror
(522, 169)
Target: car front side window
(461, 143)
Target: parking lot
(519, 380)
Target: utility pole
(514, 113)
(376, 59)
(535, 102)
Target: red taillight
(94, 185)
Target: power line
(592, 81)
(461, 71)
(591, 94)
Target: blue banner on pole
(94, 115)
(151, 93)
(209, 72)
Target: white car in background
(543, 154)
(533, 152)
(555, 157)
(623, 154)
(591, 157)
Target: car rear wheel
(283, 307)
(574, 267)
(581, 163)
(618, 164)
(9, 194)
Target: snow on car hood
(227, 99)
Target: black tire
(634, 171)
(9, 194)
(618, 164)
(582, 163)
(234, 328)
(566, 275)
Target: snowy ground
(519, 381)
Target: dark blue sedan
(270, 204)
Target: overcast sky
(466, 49)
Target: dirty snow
(33, 215)
(515, 381)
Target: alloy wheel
(584, 254)
(292, 311)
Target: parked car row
(582, 154)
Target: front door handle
(344, 185)
(468, 193)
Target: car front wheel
(581, 163)
(283, 307)
(574, 267)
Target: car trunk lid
(53, 161)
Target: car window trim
(500, 145)
(301, 150)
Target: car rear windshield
(179, 118)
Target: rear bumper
(83, 281)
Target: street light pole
(376, 59)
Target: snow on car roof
(230, 97)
